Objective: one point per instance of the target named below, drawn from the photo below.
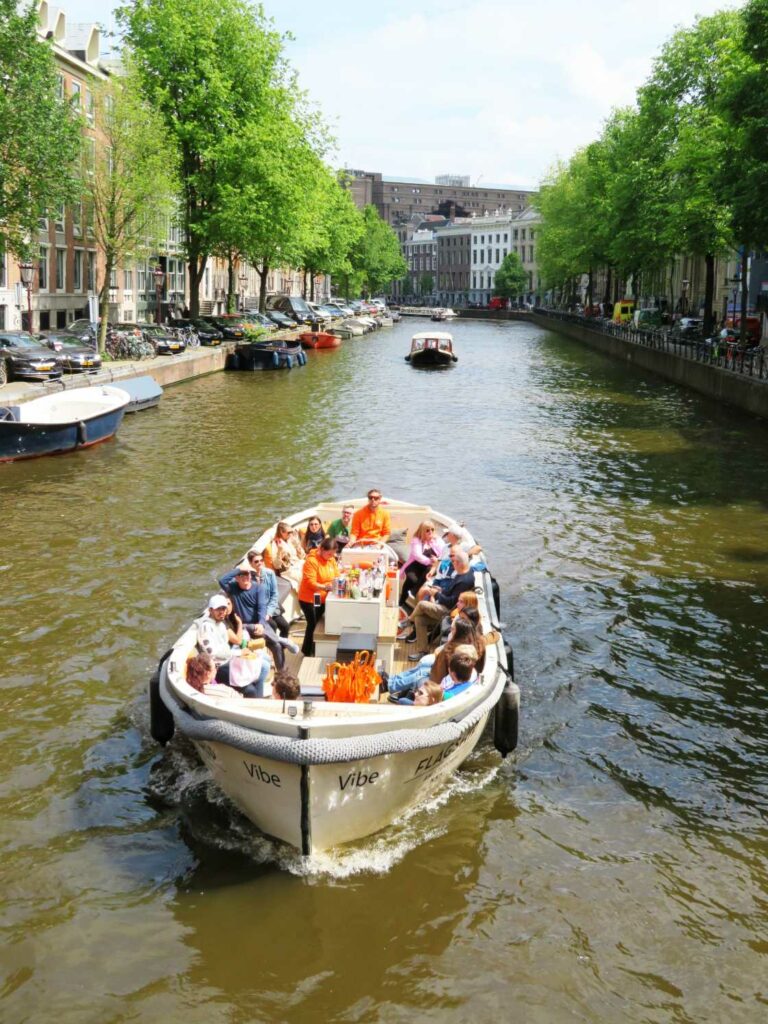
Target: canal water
(614, 869)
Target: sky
(495, 90)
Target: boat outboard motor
(161, 723)
(506, 715)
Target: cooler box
(346, 615)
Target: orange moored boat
(319, 339)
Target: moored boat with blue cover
(144, 392)
(60, 423)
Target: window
(522, 233)
(89, 105)
(60, 215)
(505, 251)
(91, 271)
(482, 239)
(75, 97)
(77, 219)
(505, 242)
(514, 235)
(482, 255)
(498, 238)
(128, 280)
(113, 277)
(474, 255)
(497, 251)
(530, 234)
(141, 280)
(59, 87)
(77, 271)
(42, 269)
(530, 253)
(61, 265)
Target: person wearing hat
(455, 534)
(250, 603)
(211, 630)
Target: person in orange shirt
(320, 570)
(371, 523)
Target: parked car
(647, 319)
(293, 306)
(341, 308)
(231, 328)
(23, 357)
(754, 327)
(329, 311)
(164, 343)
(259, 319)
(687, 329)
(85, 330)
(72, 354)
(281, 320)
(206, 332)
(318, 313)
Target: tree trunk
(311, 286)
(231, 290)
(744, 297)
(262, 271)
(195, 269)
(607, 292)
(709, 292)
(104, 303)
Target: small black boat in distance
(431, 348)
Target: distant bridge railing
(724, 355)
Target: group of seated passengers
(436, 585)
(465, 641)
(201, 674)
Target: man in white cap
(212, 630)
(455, 534)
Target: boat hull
(316, 807)
(29, 440)
(266, 356)
(319, 339)
(431, 357)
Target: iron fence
(723, 355)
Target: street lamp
(27, 272)
(243, 279)
(159, 275)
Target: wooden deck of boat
(293, 662)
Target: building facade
(454, 263)
(493, 238)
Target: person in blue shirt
(250, 603)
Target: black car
(206, 332)
(85, 330)
(22, 356)
(72, 354)
(280, 319)
(259, 319)
(293, 306)
(165, 343)
(231, 329)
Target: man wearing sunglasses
(371, 523)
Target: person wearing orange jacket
(320, 570)
(371, 523)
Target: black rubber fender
(82, 433)
(275, 359)
(506, 716)
(161, 724)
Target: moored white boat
(316, 773)
(431, 348)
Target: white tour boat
(316, 773)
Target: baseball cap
(218, 601)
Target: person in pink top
(425, 552)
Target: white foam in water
(180, 780)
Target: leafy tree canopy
(40, 133)
(511, 279)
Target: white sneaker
(289, 645)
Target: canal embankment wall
(747, 393)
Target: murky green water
(614, 870)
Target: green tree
(511, 279)
(131, 184)
(211, 68)
(427, 284)
(377, 257)
(40, 134)
(680, 111)
(335, 231)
